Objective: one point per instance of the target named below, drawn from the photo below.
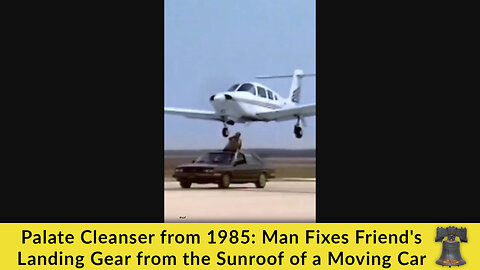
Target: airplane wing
(288, 114)
(198, 114)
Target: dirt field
(284, 167)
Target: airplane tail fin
(296, 86)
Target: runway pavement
(279, 201)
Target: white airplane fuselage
(243, 106)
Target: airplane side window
(261, 92)
(275, 97)
(260, 89)
(270, 96)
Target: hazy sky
(212, 44)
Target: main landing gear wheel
(298, 132)
(225, 132)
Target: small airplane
(254, 102)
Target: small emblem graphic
(451, 247)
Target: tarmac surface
(279, 201)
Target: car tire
(185, 184)
(262, 181)
(225, 181)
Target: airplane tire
(298, 132)
(225, 132)
(225, 181)
(262, 181)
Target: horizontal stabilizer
(295, 89)
(283, 76)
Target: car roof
(247, 154)
(228, 152)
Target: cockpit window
(247, 87)
(261, 92)
(231, 89)
(275, 97)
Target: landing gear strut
(297, 130)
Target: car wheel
(262, 181)
(185, 184)
(225, 181)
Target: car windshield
(215, 158)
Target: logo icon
(451, 247)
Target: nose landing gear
(225, 132)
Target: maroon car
(224, 168)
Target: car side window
(251, 160)
(240, 159)
(257, 159)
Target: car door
(253, 169)
(240, 169)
